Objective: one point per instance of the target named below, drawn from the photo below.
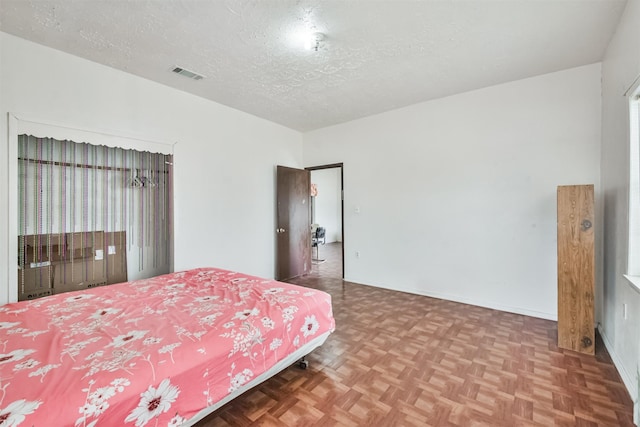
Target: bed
(164, 351)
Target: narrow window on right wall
(633, 262)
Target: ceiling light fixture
(313, 41)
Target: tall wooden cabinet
(576, 268)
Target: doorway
(327, 219)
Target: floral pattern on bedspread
(149, 352)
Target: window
(633, 262)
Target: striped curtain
(83, 189)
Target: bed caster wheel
(304, 364)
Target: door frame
(333, 166)
(18, 124)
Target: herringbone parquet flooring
(398, 359)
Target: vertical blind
(69, 187)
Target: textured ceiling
(377, 55)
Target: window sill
(634, 282)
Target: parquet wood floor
(398, 359)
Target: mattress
(161, 351)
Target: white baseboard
(628, 379)
(456, 298)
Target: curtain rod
(106, 133)
(79, 165)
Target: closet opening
(90, 215)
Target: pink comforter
(150, 352)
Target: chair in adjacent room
(317, 239)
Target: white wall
(328, 206)
(461, 191)
(224, 159)
(620, 68)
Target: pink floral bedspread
(150, 352)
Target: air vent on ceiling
(187, 73)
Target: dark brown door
(293, 229)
